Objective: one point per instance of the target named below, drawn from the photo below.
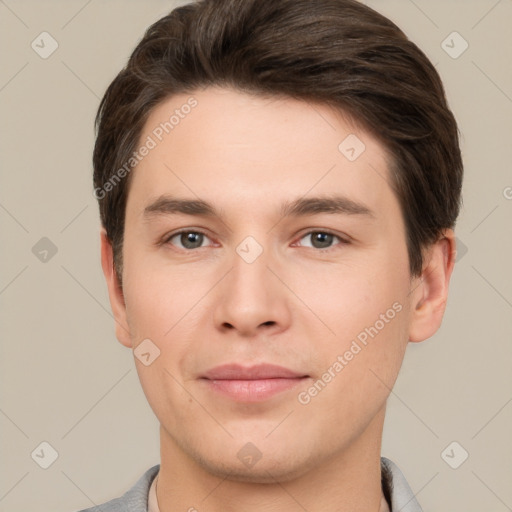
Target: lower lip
(253, 390)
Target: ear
(115, 291)
(430, 290)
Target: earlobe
(430, 290)
(115, 292)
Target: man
(278, 184)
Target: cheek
(163, 304)
(352, 296)
(157, 295)
(365, 305)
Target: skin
(298, 305)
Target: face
(253, 239)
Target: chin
(261, 461)
(264, 471)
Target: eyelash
(342, 241)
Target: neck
(348, 481)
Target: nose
(251, 299)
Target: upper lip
(260, 371)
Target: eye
(321, 239)
(193, 239)
(186, 239)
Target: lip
(256, 372)
(251, 384)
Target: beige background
(67, 381)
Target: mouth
(251, 384)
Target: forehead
(229, 147)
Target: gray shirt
(395, 487)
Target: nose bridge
(250, 274)
(250, 250)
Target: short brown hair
(337, 52)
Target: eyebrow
(167, 205)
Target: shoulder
(133, 500)
(396, 488)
